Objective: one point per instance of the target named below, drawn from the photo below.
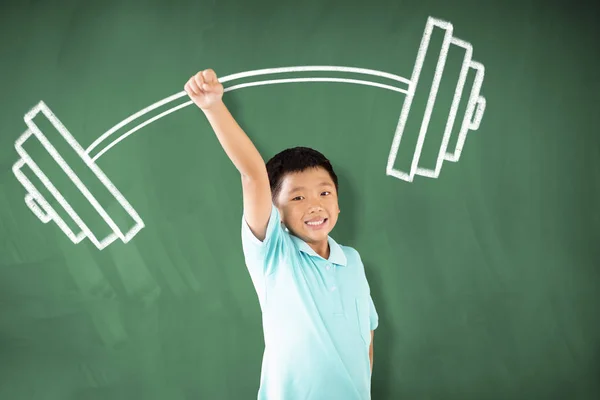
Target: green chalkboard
(465, 136)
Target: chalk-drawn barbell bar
(127, 228)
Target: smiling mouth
(316, 223)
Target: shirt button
(327, 267)
(332, 288)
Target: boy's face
(308, 196)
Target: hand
(204, 89)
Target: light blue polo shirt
(317, 317)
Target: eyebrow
(325, 183)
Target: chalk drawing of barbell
(126, 229)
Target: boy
(317, 311)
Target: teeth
(316, 223)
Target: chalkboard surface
(465, 136)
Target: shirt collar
(336, 254)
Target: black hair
(296, 159)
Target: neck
(321, 248)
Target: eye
(297, 197)
(326, 192)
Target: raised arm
(206, 92)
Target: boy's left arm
(371, 350)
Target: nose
(315, 206)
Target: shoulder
(352, 255)
(264, 255)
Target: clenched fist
(204, 89)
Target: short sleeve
(373, 316)
(260, 255)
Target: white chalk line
(473, 113)
(439, 69)
(240, 75)
(314, 68)
(50, 212)
(390, 170)
(475, 101)
(34, 130)
(453, 110)
(228, 78)
(140, 126)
